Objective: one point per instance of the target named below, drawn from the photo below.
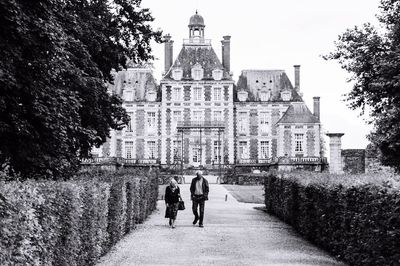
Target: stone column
(113, 144)
(335, 148)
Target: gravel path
(234, 234)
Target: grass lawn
(247, 194)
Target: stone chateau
(199, 117)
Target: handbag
(181, 205)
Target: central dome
(196, 20)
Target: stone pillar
(335, 148)
(113, 144)
(168, 52)
(297, 77)
(226, 53)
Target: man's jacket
(205, 187)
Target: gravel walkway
(234, 234)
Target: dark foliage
(55, 61)
(372, 56)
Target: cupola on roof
(196, 20)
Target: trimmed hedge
(354, 217)
(72, 222)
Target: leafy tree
(55, 62)
(372, 55)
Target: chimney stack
(226, 53)
(168, 52)
(297, 77)
(316, 107)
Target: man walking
(199, 194)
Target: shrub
(21, 240)
(74, 222)
(356, 218)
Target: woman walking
(172, 196)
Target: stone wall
(353, 161)
(357, 161)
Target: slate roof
(298, 113)
(201, 54)
(140, 79)
(276, 81)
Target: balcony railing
(257, 161)
(282, 160)
(119, 160)
(201, 124)
(197, 41)
(99, 160)
(301, 160)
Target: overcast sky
(277, 35)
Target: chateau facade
(198, 117)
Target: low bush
(72, 222)
(355, 217)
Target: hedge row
(72, 222)
(358, 223)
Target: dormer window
(128, 95)
(197, 72)
(286, 95)
(217, 74)
(177, 73)
(242, 95)
(265, 95)
(151, 95)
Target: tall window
(264, 149)
(299, 141)
(151, 121)
(130, 123)
(176, 118)
(243, 152)
(217, 94)
(177, 94)
(151, 150)
(195, 154)
(264, 122)
(177, 150)
(217, 151)
(128, 149)
(242, 122)
(197, 116)
(217, 115)
(197, 94)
